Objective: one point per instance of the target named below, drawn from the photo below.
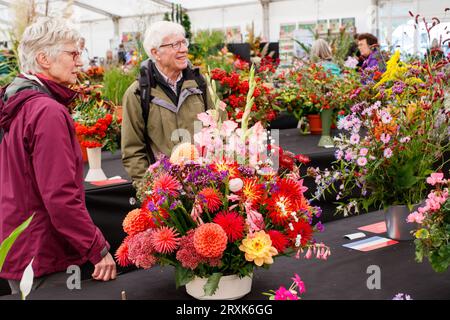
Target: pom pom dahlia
(210, 240)
(136, 221)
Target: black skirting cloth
(343, 276)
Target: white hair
(321, 50)
(157, 32)
(45, 35)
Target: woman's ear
(43, 60)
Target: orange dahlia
(167, 184)
(165, 240)
(136, 221)
(252, 191)
(122, 254)
(211, 198)
(210, 240)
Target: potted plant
(392, 145)
(432, 235)
(96, 125)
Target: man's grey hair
(157, 32)
(47, 35)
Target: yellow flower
(258, 248)
(184, 152)
(422, 234)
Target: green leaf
(182, 276)
(212, 284)
(8, 242)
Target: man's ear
(43, 60)
(155, 53)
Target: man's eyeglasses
(177, 45)
(75, 54)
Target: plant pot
(230, 288)
(326, 119)
(396, 225)
(95, 172)
(315, 124)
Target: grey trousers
(51, 280)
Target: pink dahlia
(165, 240)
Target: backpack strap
(146, 83)
(201, 84)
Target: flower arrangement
(234, 87)
(95, 120)
(210, 214)
(433, 236)
(392, 145)
(297, 287)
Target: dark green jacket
(168, 112)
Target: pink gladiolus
(435, 178)
(228, 127)
(206, 119)
(299, 283)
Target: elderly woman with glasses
(176, 95)
(41, 167)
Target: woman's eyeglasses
(177, 45)
(75, 54)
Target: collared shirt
(172, 84)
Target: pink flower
(283, 294)
(206, 119)
(349, 155)
(255, 220)
(415, 217)
(387, 153)
(362, 161)
(299, 283)
(385, 138)
(363, 152)
(435, 178)
(228, 127)
(354, 139)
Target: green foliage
(6, 245)
(116, 82)
(207, 43)
(212, 284)
(182, 276)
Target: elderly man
(41, 167)
(160, 109)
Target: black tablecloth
(343, 276)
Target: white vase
(95, 172)
(230, 288)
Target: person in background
(369, 48)
(85, 58)
(322, 55)
(37, 178)
(109, 60)
(122, 54)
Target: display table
(343, 276)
